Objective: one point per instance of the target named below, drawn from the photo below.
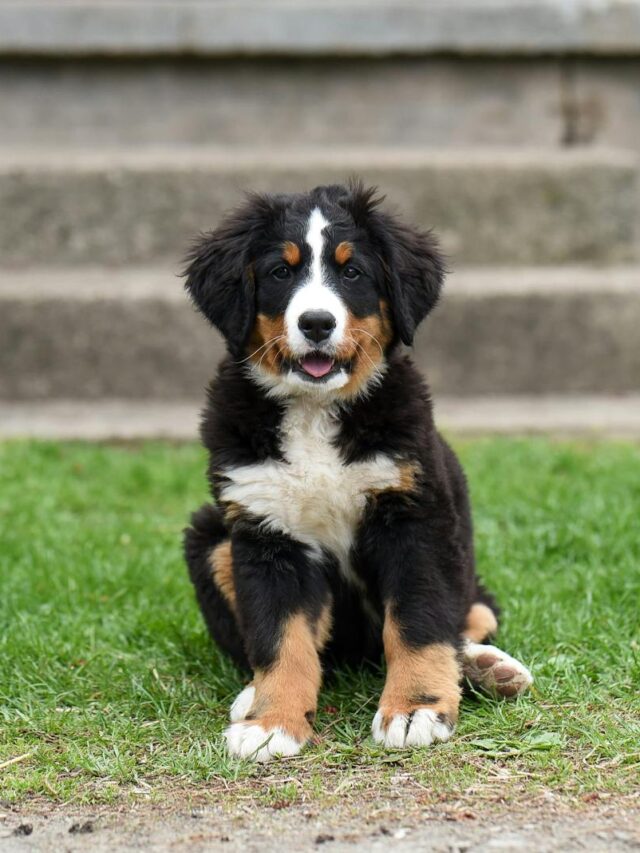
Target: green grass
(111, 688)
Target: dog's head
(312, 291)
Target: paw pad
(494, 671)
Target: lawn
(110, 688)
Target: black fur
(414, 266)
(207, 530)
(219, 276)
(274, 578)
(413, 550)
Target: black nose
(316, 325)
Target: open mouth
(317, 366)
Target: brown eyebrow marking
(291, 253)
(344, 252)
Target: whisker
(267, 351)
(364, 352)
(272, 343)
(373, 338)
(255, 352)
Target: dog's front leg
(420, 572)
(419, 703)
(283, 606)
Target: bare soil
(402, 824)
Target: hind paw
(494, 671)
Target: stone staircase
(511, 128)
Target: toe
(427, 727)
(420, 728)
(254, 742)
(397, 731)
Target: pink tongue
(316, 366)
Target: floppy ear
(414, 267)
(415, 272)
(219, 276)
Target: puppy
(341, 527)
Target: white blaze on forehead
(315, 294)
(315, 239)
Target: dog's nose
(316, 326)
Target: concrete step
(103, 420)
(401, 101)
(446, 101)
(306, 72)
(489, 207)
(90, 333)
(352, 27)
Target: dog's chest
(312, 495)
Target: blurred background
(512, 128)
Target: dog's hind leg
(488, 667)
(207, 550)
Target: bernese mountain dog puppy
(341, 527)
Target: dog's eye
(281, 273)
(351, 273)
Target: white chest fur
(312, 495)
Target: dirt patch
(386, 825)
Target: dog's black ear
(414, 266)
(219, 276)
(415, 274)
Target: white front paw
(250, 740)
(420, 728)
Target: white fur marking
(252, 741)
(314, 295)
(312, 496)
(485, 678)
(423, 729)
(242, 704)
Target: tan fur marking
(366, 339)
(268, 345)
(407, 475)
(232, 511)
(323, 626)
(222, 566)
(287, 693)
(432, 670)
(344, 252)
(291, 253)
(480, 624)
